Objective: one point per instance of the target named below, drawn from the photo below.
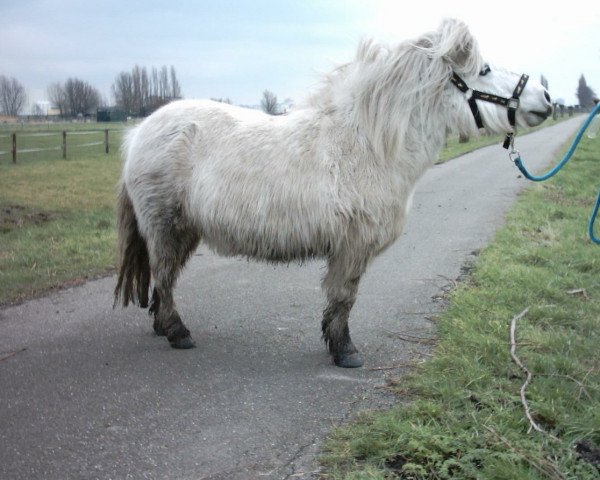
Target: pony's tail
(134, 264)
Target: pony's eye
(485, 70)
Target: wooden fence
(65, 140)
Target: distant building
(41, 108)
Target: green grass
(464, 418)
(454, 148)
(48, 137)
(56, 218)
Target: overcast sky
(237, 49)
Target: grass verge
(465, 419)
(56, 219)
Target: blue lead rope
(516, 157)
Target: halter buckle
(514, 154)
(513, 103)
(509, 141)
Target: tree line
(139, 92)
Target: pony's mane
(386, 88)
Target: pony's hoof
(179, 337)
(350, 360)
(183, 343)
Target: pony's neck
(393, 98)
(420, 147)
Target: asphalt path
(88, 392)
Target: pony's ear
(457, 46)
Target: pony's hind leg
(168, 253)
(341, 286)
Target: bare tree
(145, 91)
(269, 103)
(175, 87)
(58, 97)
(163, 83)
(82, 98)
(138, 98)
(123, 91)
(155, 82)
(12, 96)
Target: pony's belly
(265, 247)
(261, 252)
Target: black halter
(512, 103)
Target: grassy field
(48, 138)
(56, 216)
(464, 417)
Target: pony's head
(397, 93)
(481, 94)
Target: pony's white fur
(331, 179)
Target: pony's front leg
(341, 287)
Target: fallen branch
(529, 376)
(394, 367)
(12, 354)
(407, 337)
(403, 312)
(579, 291)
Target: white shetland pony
(333, 179)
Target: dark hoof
(183, 343)
(179, 337)
(350, 360)
(158, 329)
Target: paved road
(91, 393)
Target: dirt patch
(590, 453)
(395, 464)
(18, 216)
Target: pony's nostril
(547, 96)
